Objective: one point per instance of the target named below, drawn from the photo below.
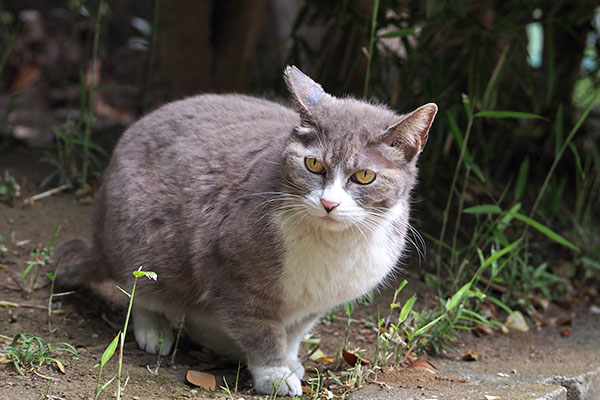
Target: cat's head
(349, 162)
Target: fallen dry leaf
(482, 330)
(490, 397)
(542, 302)
(201, 379)
(558, 321)
(471, 355)
(424, 365)
(565, 332)
(517, 321)
(319, 356)
(351, 358)
(27, 75)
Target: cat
(257, 218)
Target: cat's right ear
(306, 93)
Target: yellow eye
(315, 166)
(364, 177)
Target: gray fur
(193, 190)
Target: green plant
(120, 340)
(161, 341)
(76, 153)
(10, 188)
(39, 261)
(29, 351)
(3, 248)
(179, 330)
(226, 388)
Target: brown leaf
(351, 358)
(106, 110)
(424, 365)
(471, 355)
(558, 321)
(565, 332)
(543, 303)
(482, 330)
(27, 75)
(201, 379)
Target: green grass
(28, 352)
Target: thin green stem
(123, 334)
(558, 157)
(52, 296)
(451, 193)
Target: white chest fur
(323, 269)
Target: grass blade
(545, 230)
(507, 114)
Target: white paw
(152, 332)
(296, 367)
(280, 381)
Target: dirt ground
(83, 316)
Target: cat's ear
(306, 93)
(410, 133)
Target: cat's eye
(315, 166)
(363, 177)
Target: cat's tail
(77, 264)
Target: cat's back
(210, 124)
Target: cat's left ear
(306, 93)
(410, 133)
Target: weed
(161, 341)
(179, 330)
(3, 248)
(120, 341)
(9, 187)
(226, 389)
(39, 261)
(348, 310)
(76, 153)
(29, 351)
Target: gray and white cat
(256, 217)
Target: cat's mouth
(329, 219)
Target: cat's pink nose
(329, 205)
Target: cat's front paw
(152, 332)
(296, 367)
(280, 381)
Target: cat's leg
(150, 328)
(262, 338)
(295, 333)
